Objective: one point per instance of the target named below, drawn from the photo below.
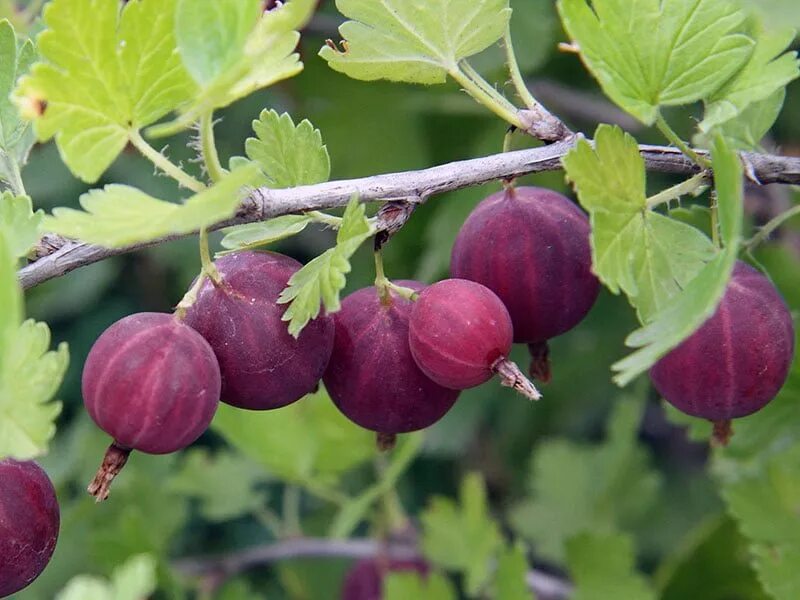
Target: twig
(414, 186)
(547, 587)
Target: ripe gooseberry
(365, 579)
(372, 377)
(262, 365)
(29, 523)
(530, 246)
(460, 335)
(737, 361)
(152, 383)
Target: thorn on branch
(390, 219)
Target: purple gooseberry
(29, 522)
(372, 376)
(364, 580)
(262, 365)
(460, 335)
(530, 246)
(737, 361)
(152, 383)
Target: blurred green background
(574, 462)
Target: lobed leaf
(16, 135)
(19, 223)
(652, 53)
(510, 579)
(404, 585)
(133, 580)
(254, 235)
(416, 41)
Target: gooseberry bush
(311, 260)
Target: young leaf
(415, 42)
(603, 568)
(248, 53)
(19, 223)
(651, 53)
(133, 580)
(699, 299)
(578, 488)
(104, 73)
(120, 215)
(253, 235)
(289, 154)
(403, 585)
(746, 131)
(510, 579)
(321, 280)
(463, 536)
(648, 256)
(16, 136)
(10, 296)
(769, 70)
(309, 440)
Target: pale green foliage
(748, 128)
(248, 53)
(416, 41)
(16, 135)
(699, 299)
(510, 582)
(253, 235)
(405, 585)
(226, 484)
(309, 441)
(120, 215)
(462, 536)
(767, 73)
(648, 256)
(577, 488)
(103, 73)
(134, 580)
(19, 223)
(289, 155)
(10, 296)
(652, 53)
(603, 568)
(322, 280)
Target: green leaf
(120, 215)
(225, 484)
(289, 155)
(769, 71)
(576, 488)
(699, 299)
(322, 280)
(248, 53)
(134, 580)
(104, 73)
(603, 568)
(253, 235)
(462, 537)
(16, 135)
(405, 585)
(648, 256)
(415, 42)
(746, 131)
(10, 297)
(510, 579)
(652, 53)
(308, 441)
(19, 223)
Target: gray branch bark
(413, 186)
(546, 587)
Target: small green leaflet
(247, 52)
(19, 223)
(254, 235)
(746, 131)
(648, 256)
(462, 537)
(769, 71)
(652, 53)
(290, 155)
(16, 135)
(104, 73)
(576, 488)
(321, 280)
(134, 580)
(405, 585)
(415, 42)
(603, 568)
(699, 299)
(510, 579)
(120, 215)
(309, 441)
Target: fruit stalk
(113, 462)
(511, 376)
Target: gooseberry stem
(516, 75)
(384, 286)
(676, 141)
(477, 87)
(684, 188)
(163, 163)
(113, 462)
(209, 148)
(771, 226)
